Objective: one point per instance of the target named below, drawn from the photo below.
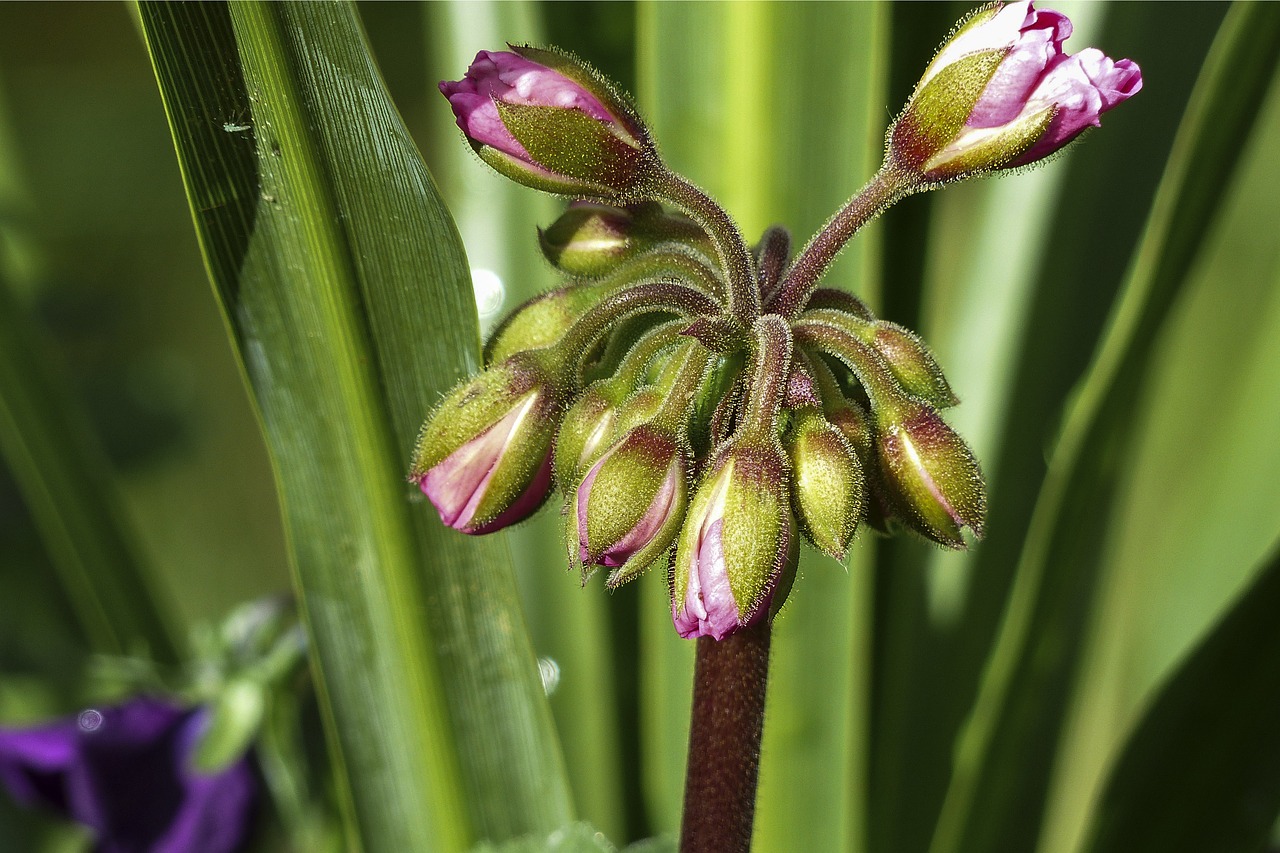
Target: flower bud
(548, 121)
(541, 321)
(484, 457)
(827, 484)
(912, 364)
(736, 555)
(1002, 93)
(930, 478)
(631, 503)
(591, 239)
(588, 429)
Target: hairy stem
(744, 293)
(888, 186)
(729, 682)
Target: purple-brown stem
(729, 682)
(888, 186)
(744, 292)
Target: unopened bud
(827, 484)
(912, 364)
(484, 457)
(549, 121)
(591, 239)
(541, 321)
(930, 478)
(631, 503)
(737, 551)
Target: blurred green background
(1053, 328)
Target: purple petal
(524, 506)
(708, 609)
(34, 761)
(512, 79)
(1082, 87)
(456, 484)
(129, 779)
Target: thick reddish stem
(724, 741)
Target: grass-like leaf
(349, 301)
(69, 488)
(1202, 771)
(996, 797)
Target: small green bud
(541, 321)
(631, 503)
(930, 478)
(827, 485)
(591, 239)
(912, 364)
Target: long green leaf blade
(349, 300)
(999, 779)
(1175, 788)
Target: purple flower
(126, 773)
(630, 504)
(547, 121)
(736, 555)
(1029, 97)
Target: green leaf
(348, 299)
(68, 485)
(996, 797)
(1202, 770)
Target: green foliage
(1097, 675)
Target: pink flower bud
(737, 553)
(547, 121)
(1002, 93)
(484, 457)
(631, 503)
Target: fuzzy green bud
(930, 478)
(827, 484)
(484, 457)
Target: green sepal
(936, 113)
(628, 477)
(979, 150)
(758, 531)
(578, 151)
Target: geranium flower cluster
(705, 401)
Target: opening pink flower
(1026, 96)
